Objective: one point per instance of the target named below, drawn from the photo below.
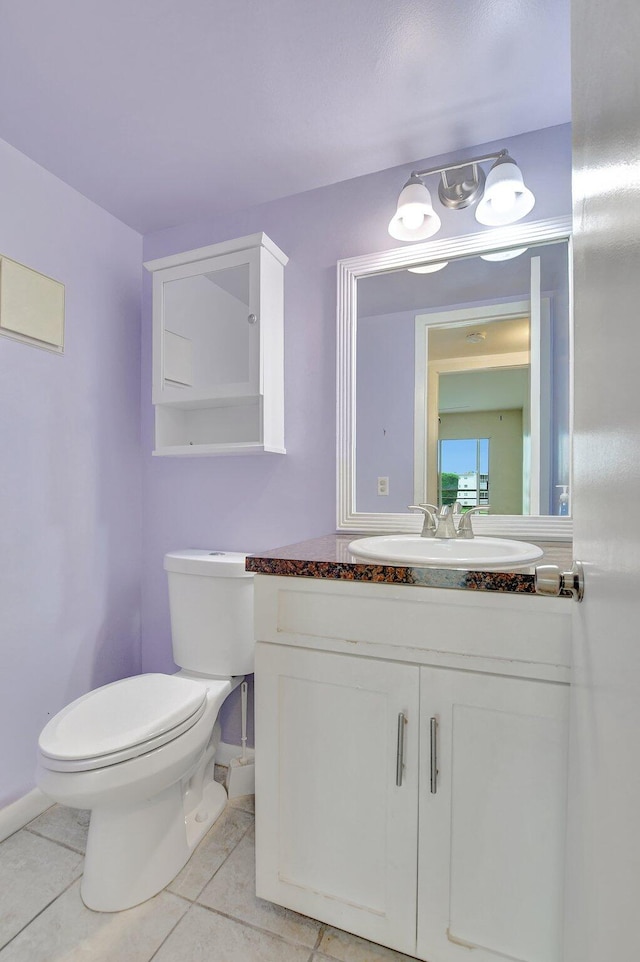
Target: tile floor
(209, 913)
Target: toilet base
(134, 851)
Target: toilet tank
(211, 604)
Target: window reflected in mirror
(463, 471)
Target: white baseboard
(226, 752)
(15, 816)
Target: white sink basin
(411, 549)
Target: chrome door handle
(433, 733)
(550, 580)
(402, 721)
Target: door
(207, 329)
(603, 891)
(336, 820)
(492, 824)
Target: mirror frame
(350, 270)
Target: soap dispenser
(563, 499)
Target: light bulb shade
(504, 255)
(506, 199)
(415, 218)
(428, 268)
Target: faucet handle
(429, 526)
(465, 528)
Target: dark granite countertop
(329, 557)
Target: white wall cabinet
(218, 349)
(429, 863)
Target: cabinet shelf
(212, 450)
(201, 402)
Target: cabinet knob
(252, 319)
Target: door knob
(550, 580)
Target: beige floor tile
(33, 871)
(232, 891)
(62, 824)
(212, 851)
(336, 944)
(204, 936)
(246, 803)
(69, 932)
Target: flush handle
(402, 721)
(550, 580)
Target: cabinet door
(492, 836)
(207, 329)
(336, 835)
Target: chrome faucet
(439, 522)
(430, 511)
(465, 529)
(445, 527)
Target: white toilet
(140, 752)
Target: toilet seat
(120, 721)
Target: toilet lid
(121, 715)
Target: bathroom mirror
(455, 382)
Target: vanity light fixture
(501, 196)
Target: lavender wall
(70, 466)
(385, 404)
(253, 503)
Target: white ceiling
(168, 111)
(500, 337)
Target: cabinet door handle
(433, 732)
(402, 721)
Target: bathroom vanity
(411, 751)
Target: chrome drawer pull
(402, 721)
(433, 731)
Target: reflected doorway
(485, 450)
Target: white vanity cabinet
(336, 832)
(218, 349)
(410, 764)
(492, 825)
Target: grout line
(151, 957)
(318, 942)
(194, 901)
(321, 932)
(47, 838)
(258, 928)
(43, 909)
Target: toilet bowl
(140, 752)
